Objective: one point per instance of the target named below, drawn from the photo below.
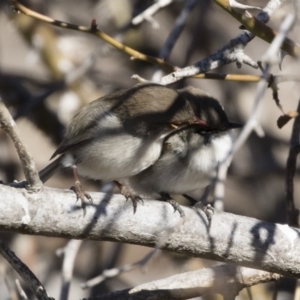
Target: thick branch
(230, 238)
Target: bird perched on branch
(157, 140)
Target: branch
(94, 31)
(24, 272)
(257, 27)
(224, 279)
(230, 238)
(232, 52)
(28, 165)
(110, 273)
(125, 49)
(149, 12)
(292, 212)
(69, 253)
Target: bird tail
(50, 170)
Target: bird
(189, 158)
(119, 135)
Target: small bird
(120, 135)
(189, 158)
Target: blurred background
(47, 74)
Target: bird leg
(128, 194)
(77, 188)
(166, 197)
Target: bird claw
(207, 209)
(176, 207)
(135, 199)
(166, 197)
(81, 194)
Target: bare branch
(24, 272)
(224, 279)
(292, 212)
(257, 27)
(110, 273)
(127, 50)
(232, 52)
(94, 31)
(174, 35)
(149, 12)
(69, 252)
(28, 165)
(230, 238)
(11, 282)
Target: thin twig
(174, 35)
(69, 252)
(177, 29)
(20, 290)
(292, 212)
(110, 273)
(28, 165)
(26, 274)
(149, 12)
(9, 280)
(94, 31)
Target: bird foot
(128, 194)
(176, 206)
(81, 194)
(207, 209)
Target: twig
(221, 279)
(252, 121)
(20, 290)
(177, 29)
(110, 273)
(69, 252)
(292, 212)
(232, 52)
(149, 12)
(94, 31)
(257, 27)
(28, 165)
(10, 281)
(246, 131)
(174, 35)
(24, 272)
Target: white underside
(172, 175)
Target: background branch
(28, 165)
(26, 274)
(292, 212)
(222, 280)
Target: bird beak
(232, 125)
